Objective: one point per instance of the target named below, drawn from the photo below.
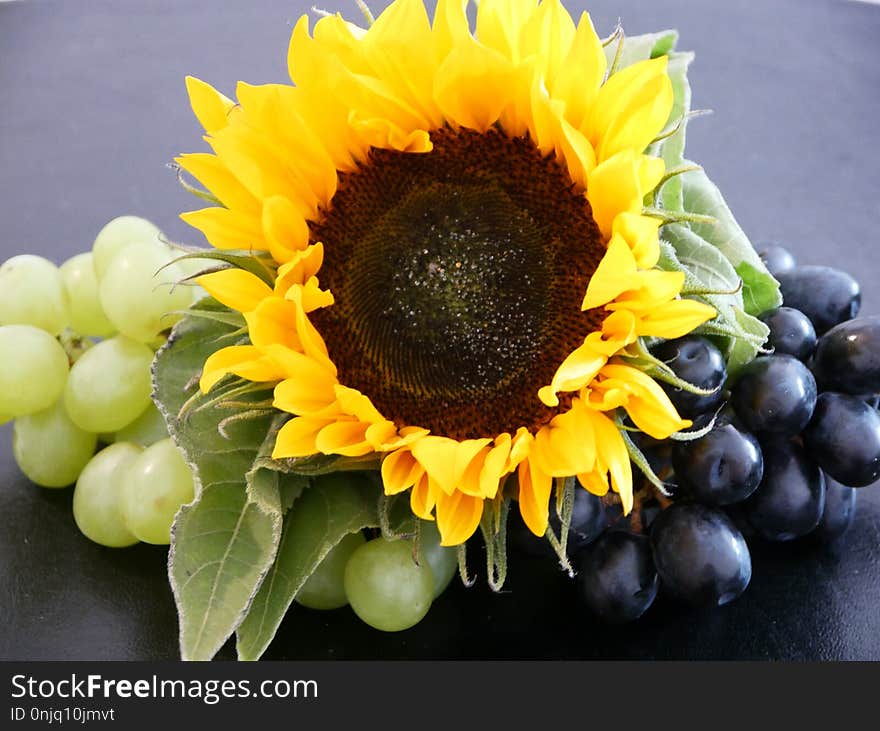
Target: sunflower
(462, 255)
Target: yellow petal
(351, 401)
(245, 361)
(495, 466)
(614, 187)
(566, 446)
(308, 390)
(227, 229)
(297, 437)
(580, 76)
(548, 34)
(458, 516)
(647, 405)
(289, 362)
(595, 482)
(622, 98)
(422, 498)
(302, 266)
(640, 232)
(312, 342)
(271, 109)
(614, 457)
(615, 274)
(618, 331)
(347, 438)
(473, 86)
(576, 371)
(397, 47)
(209, 105)
(535, 486)
(445, 459)
(384, 134)
(400, 471)
(649, 170)
(520, 447)
(674, 319)
(500, 24)
(272, 322)
(236, 288)
(450, 26)
(640, 120)
(217, 178)
(285, 229)
(552, 133)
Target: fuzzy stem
(679, 216)
(366, 12)
(205, 195)
(468, 581)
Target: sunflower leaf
(701, 196)
(225, 540)
(671, 149)
(642, 47)
(323, 515)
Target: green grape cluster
(390, 584)
(76, 345)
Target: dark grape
(826, 295)
(791, 332)
(699, 362)
(791, 497)
(700, 556)
(848, 357)
(777, 259)
(721, 468)
(616, 576)
(588, 520)
(844, 438)
(840, 508)
(775, 395)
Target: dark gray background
(93, 106)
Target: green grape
(324, 589)
(147, 429)
(81, 285)
(138, 298)
(49, 448)
(109, 386)
(443, 560)
(98, 496)
(33, 369)
(385, 586)
(32, 293)
(119, 233)
(157, 483)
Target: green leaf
(224, 542)
(761, 290)
(642, 47)
(334, 506)
(701, 196)
(739, 334)
(706, 265)
(671, 149)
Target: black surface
(94, 106)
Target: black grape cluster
(792, 435)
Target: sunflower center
(458, 276)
